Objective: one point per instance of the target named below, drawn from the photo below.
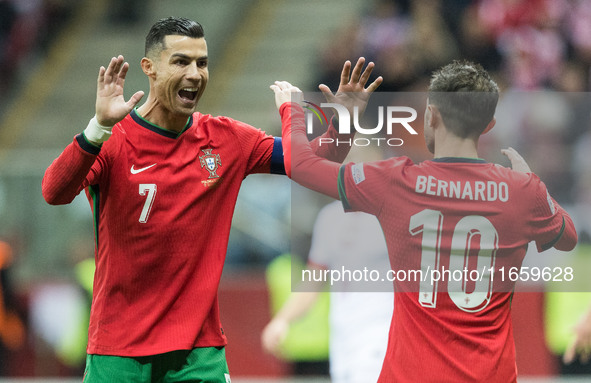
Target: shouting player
(448, 214)
(162, 180)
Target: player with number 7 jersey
(452, 225)
(143, 185)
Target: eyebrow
(184, 56)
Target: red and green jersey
(453, 214)
(162, 205)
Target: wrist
(96, 133)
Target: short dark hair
(171, 26)
(466, 97)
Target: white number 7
(151, 190)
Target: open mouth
(188, 94)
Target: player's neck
(157, 115)
(452, 146)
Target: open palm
(352, 91)
(111, 107)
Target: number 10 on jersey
(429, 223)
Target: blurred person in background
(162, 181)
(359, 315)
(12, 329)
(305, 346)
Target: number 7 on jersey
(150, 191)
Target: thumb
(133, 101)
(324, 89)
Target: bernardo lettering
(489, 191)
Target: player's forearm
(301, 163)
(298, 304)
(326, 146)
(64, 178)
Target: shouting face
(178, 74)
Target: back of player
(454, 228)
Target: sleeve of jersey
(301, 162)
(364, 185)
(551, 225)
(263, 153)
(74, 169)
(293, 113)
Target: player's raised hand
(517, 162)
(285, 92)
(273, 334)
(352, 91)
(111, 107)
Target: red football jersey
(453, 214)
(159, 258)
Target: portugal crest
(211, 162)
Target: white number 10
(430, 223)
(150, 189)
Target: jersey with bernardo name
(469, 190)
(452, 214)
(163, 205)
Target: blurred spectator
(27, 26)
(12, 330)
(7, 20)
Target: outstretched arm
(351, 94)
(301, 163)
(313, 171)
(70, 172)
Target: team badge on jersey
(211, 162)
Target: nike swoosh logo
(136, 171)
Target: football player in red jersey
(162, 181)
(443, 219)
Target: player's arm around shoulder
(565, 236)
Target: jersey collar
(155, 128)
(465, 160)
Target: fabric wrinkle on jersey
(443, 337)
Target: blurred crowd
(26, 28)
(529, 46)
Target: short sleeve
(547, 222)
(256, 146)
(363, 186)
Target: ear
(490, 125)
(433, 117)
(148, 67)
